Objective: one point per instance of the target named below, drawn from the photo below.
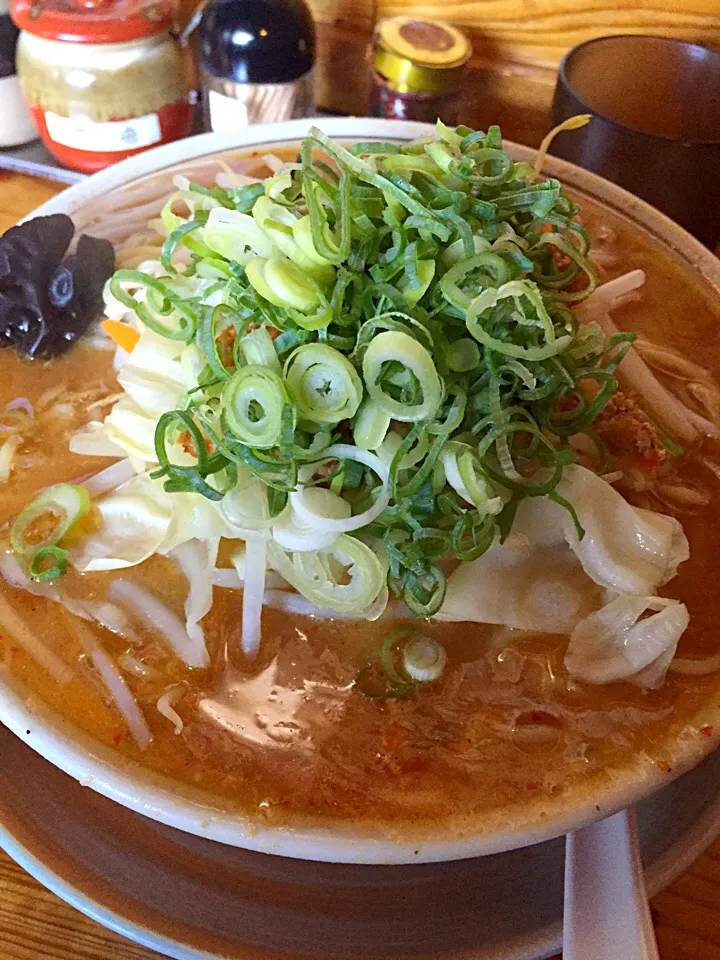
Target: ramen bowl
(530, 815)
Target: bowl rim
(194, 811)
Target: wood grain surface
(540, 31)
(37, 925)
(20, 194)
(517, 44)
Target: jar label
(112, 136)
(226, 113)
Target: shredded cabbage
(133, 526)
(523, 585)
(614, 643)
(624, 549)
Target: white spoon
(606, 914)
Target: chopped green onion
(323, 383)
(245, 197)
(378, 339)
(371, 425)
(39, 569)
(424, 589)
(258, 350)
(416, 365)
(322, 581)
(463, 355)
(253, 401)
(283, 283)
(48, 518)
(466, 477)
(491, 269)
(207, 339)
(528, 311)
(421, 660)
(424, 659)
(181, 321)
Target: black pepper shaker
(256, 61)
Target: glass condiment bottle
(418, 67)
(16, 125)
(256, 61)
(104, 79)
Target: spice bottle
(16, 127)
(104, 79)
(418, 67)
(256, 61)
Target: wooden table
(35, 924)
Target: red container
(104, 79)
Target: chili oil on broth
(287, 735)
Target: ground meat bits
(629, 434)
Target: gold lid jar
(418, 66)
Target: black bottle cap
(257, 41)
(8, 38)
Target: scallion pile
(381, 342)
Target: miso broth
(289, 734)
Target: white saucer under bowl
(193, 898)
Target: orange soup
(308, 726)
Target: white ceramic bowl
(198, 813)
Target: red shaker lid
(93, 21)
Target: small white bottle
(16, 126)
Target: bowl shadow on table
(241, 904)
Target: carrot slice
(121, 334)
